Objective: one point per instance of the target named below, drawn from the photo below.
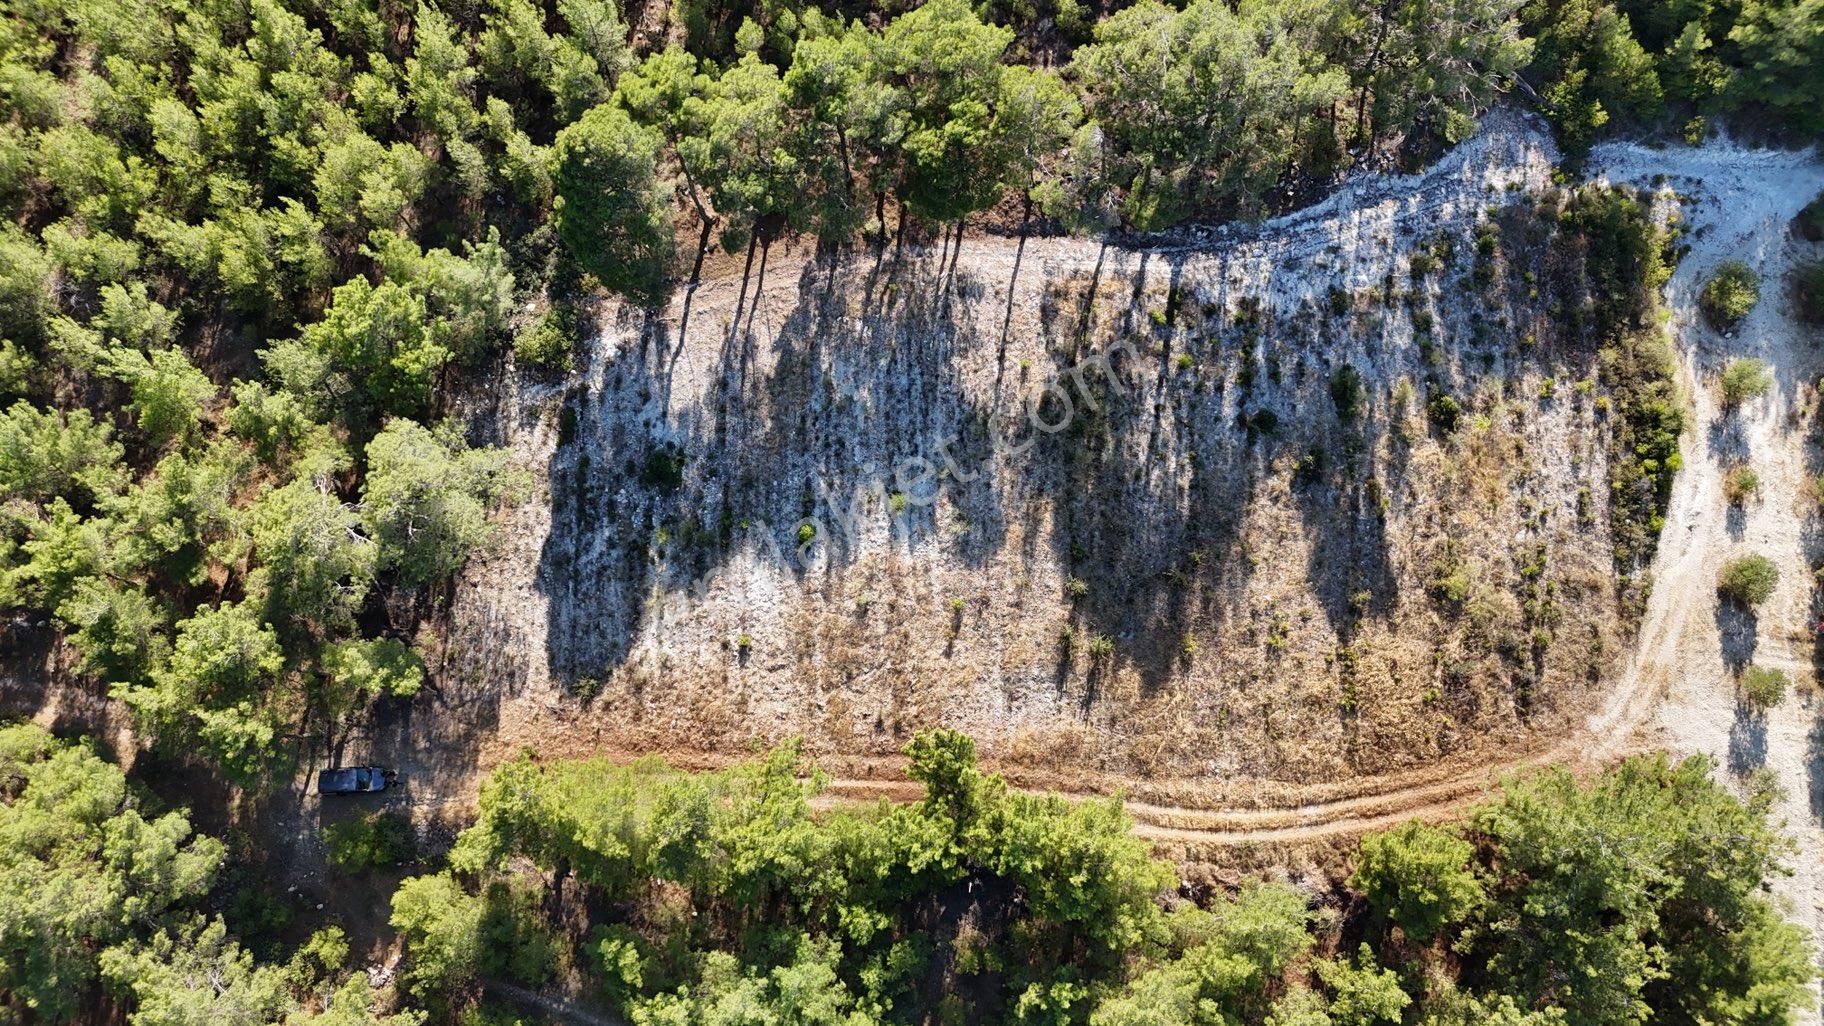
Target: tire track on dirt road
(1366, 216)
(1745, 199)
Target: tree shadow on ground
(661, 482)
(1814, 767)
(1747, 740)
(1139, 485)
(1737, 631)
(658, 488)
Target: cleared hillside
(1320, 499)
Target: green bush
(1454, 584)
(1444, 411)
(544, 343)
(1730, 293)
(371, 842)
(1741, 484)
(1347, 392)
(1764, 687)
(1749, 580)
(663, 469)
(1745, 379)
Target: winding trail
(1740, 204)
(1736, 203)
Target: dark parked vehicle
(354, 779)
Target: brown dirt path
(1743, 196)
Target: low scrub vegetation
(371, 842)
(1626, 259)
(1730, 293)
(1749, 580)
(1764, 687)
(1741, 485)
(1744, 379)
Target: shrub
(1741, 484)
(260, 915)
(1749, 580)
(1764, 687)
(1444, 411)
(663, 469)
(544, 343)
(368, 842)
(1730, 293)
(1808, 291)
(1745, 379)
(1453, 585)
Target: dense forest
(253, 250)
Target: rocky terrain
(1180, 515)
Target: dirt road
(1739, 204)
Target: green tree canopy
(315, 564)
(81, 869)
(426, 496)
(1638, 897)
(1199, 105)
(944, 67)
(1418, 876)
(612, 212)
